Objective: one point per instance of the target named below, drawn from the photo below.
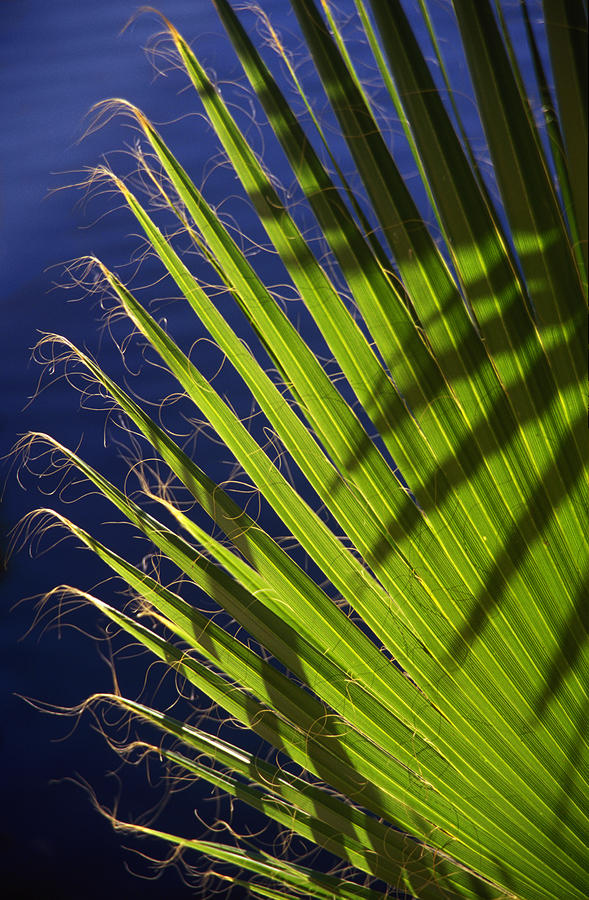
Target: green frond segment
(556, 145)
(198, 208)
(357, 602)
(478, 378)
(309, 883)
(437, 708)
(365, 762)
(399, 856)
(566, 28)
(537, 226)
(301, 807)
(541, 584)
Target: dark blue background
(56, 60)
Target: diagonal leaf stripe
(121, 503)
(415, 652)
(181, 465)
(539, 502)
(566, 27)
(262, 720)
(304, 797)
(186, 284)
(189, 295)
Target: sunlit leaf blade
(470, 484)
(556, 143)
(167, 253)
(430, 874)
(566, 27)
(312, 883)
(429, 678)
(530, 202)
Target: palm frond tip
(429, 678)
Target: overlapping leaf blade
(469, 569)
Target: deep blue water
(57, 60)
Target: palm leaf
(430, 680)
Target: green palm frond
(430, 683)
